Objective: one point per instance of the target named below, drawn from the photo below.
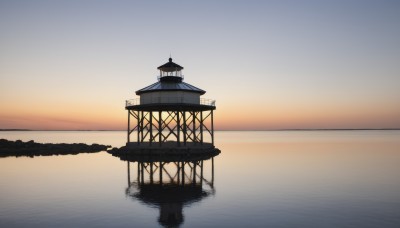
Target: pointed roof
(170, 66)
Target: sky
(269, 65)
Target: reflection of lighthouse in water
(170, 185)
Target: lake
(260, 179)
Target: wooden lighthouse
(170, 114)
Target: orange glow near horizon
(225, 118)
(303, 118)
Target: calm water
(274, 179)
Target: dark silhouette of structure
(169, 184)
(173, 129)
(170, 114)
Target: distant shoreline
(53, 130)
(316, 129)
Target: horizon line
(283, 129)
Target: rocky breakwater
(19, 148)
(166, 153)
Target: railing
(132, 102)
(168, 100)
(209, 102)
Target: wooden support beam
(151, 127)
(194, 127)
(179, 127)
(141, 126)
(138, 127)
(201, 127)
(212, 128)
(159, 128)
(184, 128)
(129, 125)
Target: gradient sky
(269, 64)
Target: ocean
(260, 179)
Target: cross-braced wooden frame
(182, 127)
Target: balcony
(168, 100)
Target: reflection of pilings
(194, 172)
(201, 173)
(141, 172)
(161, 169)
(151, 172)
(169, 183)
(138, 173)
(183, 173)
(212, 172)
(129, 174)
(179, 173)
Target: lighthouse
(170, 113)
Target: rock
(30, 148)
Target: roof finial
(170, 58)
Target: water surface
(276, 179)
